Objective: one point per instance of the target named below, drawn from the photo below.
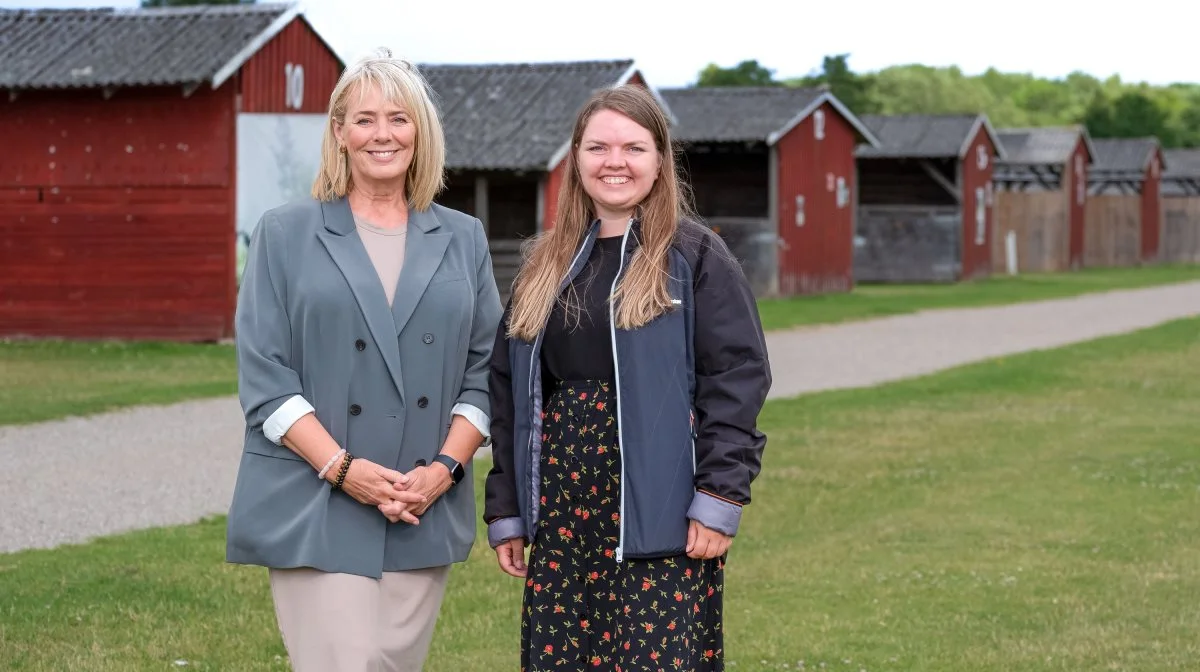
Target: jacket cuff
(476, 417)
(715, 513)
(284, 417)
(504, 529)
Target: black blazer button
(355, 409)
(422, 402)
(360, 345)
(427, 338)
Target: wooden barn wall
(816, 205)
(1041, 223)
(977, 207)
(1113, 230)
(1181, 230)
(908, 244)
(116, 216)
(265, 85)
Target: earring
(341, 149)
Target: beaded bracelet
(342, 472)
(329, 464)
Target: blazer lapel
(348, 253)
(424, 249)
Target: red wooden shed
(135, 141)
(1124, 210)
(1041, 197)
(925, 201)
(772, 169)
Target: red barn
(1124, 211)
(772, 169)
(137, 143)
(925, 200)
(1041, 197)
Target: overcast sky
(672, 41)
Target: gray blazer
(312, 320)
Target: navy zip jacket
(689, 387)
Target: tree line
(1110, 108)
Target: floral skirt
(582, 610)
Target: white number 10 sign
(294, 93)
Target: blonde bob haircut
(400, 83)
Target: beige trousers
(348, 623)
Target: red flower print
(595, 575)
(608, 553)
(595, 661)
(688, 572)
(678, 596)
(549, 648)
(653, 655)
(578, 512)
(583, 396)
(616, 517)
(553, 460)
(558, 609)
(645, 585)
(543, 499)
(649, 627)
(574, 475)
(600, 406)
(710, 591)
(529, 582)
(553, 565)
(586, 515)
(537, 587)
(671, 625)
(562, 530)
(626, 646)
(708, 653)
(595, 490)
(607, 637)
(583, 623)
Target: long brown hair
(641, 294)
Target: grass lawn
(868, 301)
(1033, 513)
(44, 380)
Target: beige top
(385, 247)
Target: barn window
(990, 194)
(800, 211)
(819, 124)
(843, 193)
(981, 157)
(980, 216)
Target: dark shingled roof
(1125, 154)
(736, 113)
(1045, 146)
(925, 136)
(81, 48)
(1181, 163)
(515, 116)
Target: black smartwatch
(456, 470)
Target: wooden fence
(1181, 230)
(1041, 223)
(1112, 234)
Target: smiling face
(380, 138)
(618, 163)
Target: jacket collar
(339, 220)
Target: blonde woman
(365, 324)
(627, 377)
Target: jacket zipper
(612, 324)
(535, 503)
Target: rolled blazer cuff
(476, 417)
(715, 513)
(504, 529)
(284, 417)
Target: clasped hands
(398, 496)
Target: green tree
(855, 90)
(746, 73)
(1132, 114)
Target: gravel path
(70, 480)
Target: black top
(579, 347)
